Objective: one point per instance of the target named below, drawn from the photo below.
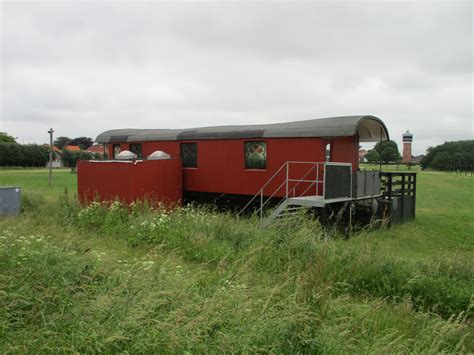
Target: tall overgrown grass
(205, 281)
(207, 236)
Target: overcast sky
(83, 68)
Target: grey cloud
(88, 67)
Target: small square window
(136, 148)
(189, 155)
(255, 155)
(116, 150)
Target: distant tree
(425, 162)
(70, 158)
(390, 155)
(373, 156)
(34, 155)
(61, 141)
(83, 142)
(6, 138)
(450, 156)
(9, 154)
(442, 161)
(386, 150)
(468, 159)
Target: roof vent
(158, 154)
(126, 155)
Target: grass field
(106, 278)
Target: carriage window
(189, 155)
(328, 152)
(116, 150)
(255, 155)
(137, 149)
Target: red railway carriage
(239, 160)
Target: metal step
(281, 207)
(315, 201)
(284, 210)
(287, 215)
(296, 208)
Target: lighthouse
(407, 140)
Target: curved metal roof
(369, 129)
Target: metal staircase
(283, 212)
(302, 186)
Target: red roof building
(96, 149)
(73, 148)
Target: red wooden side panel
(156, 180)
(346, 150)
(221, 163)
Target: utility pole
(50, 177)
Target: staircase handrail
(303, 178)
(273, 194)
(285, 182)
(287, 179)
(300, 180)
(259, 192)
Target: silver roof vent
(126, 155)
(159, 154)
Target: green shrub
(71, 157)
(32, 202)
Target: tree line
(450, 156)
(36, 155)
(13, 154)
